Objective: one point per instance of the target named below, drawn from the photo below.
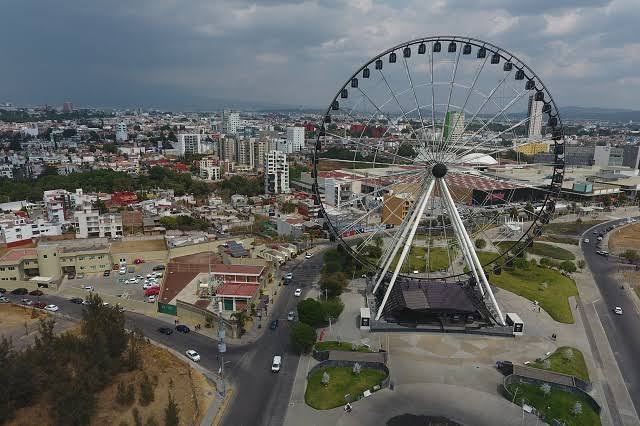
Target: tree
(568, 266)
(514, 213)
(545, 388)
(406, 150)
(171, 412)
(631, 256)
(576, 410)
(241, 319)
(581, 264)
(325, 378)
(110, 148)
(310, 312)
(169, 222)
(480, 243)
(303, 337)
(333, 284)
(356, 368)
(332, 308)
(606, 201)
(147, 393)
(287, 207)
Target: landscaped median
(566, 360)
(332, 384)
(333, 345)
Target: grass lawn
(332, 345)
(570, 228)
(575, 367)
(527, 283)
(559, 239)
(417, 259)
(559, 405)
(342, 382)
(542, 249)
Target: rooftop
(16, 255)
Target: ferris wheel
(423, 163)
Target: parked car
(122, 270)
(165, 330)
(182, 328)
(27, 302)
(76, 300)
(51, 308)
(4, 299)
(36, 293)
(151, 299)
(39, 305)
(71, 275)
(274, 324)
(153, 291)
(276, 364)
(138, 261)
(193, 355)
(80, 275)
(3, 290)
(158, 268)
(20, 291)
(298, 292)
(106, 273)
(291, 316)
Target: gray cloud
(171, 53)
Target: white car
(289, 276)
(147, 285)
(88, 287)
(277, 363)
(150, 275)
(193, 355)
(51, 308)
(308, 256)
(122, 270)
(617, 310)
(291, 316)
(298, 292)
(131, 281)
(586, 240)
(152, 298)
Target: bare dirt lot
(137, 246)
(190, 389)
(626, 238)
(12, 316)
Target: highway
(623, 331)
(260, 396)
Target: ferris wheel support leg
(407, 244)
(462, 241)
(405, 230)
(474, 256)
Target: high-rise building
(245, 153)
(188, 143)
(67, 107)
(631, 156)
(230, 121)
(295, 138)
(534, 131)
(453, 127)
(121, 131)
(259, 151)
(209, 169)
(227, 149)
(276, 171)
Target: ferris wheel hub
(439, 170)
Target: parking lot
(115, 284)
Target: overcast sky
(190, 53)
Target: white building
(453, 127)
(276, 171)
(17, 229)
(534, 131)
(90, 223)
(209, 170)
(340, 190)
(230, 121)
(188, 143)
(295, 138)
(121, 132)
(6, 170)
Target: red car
(138, 261)
(153, 291)
(39, 305)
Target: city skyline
(288, 53)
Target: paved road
(622, 330)
(262, 397)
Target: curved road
(623, 331)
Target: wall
(193, 315)
(159, 256)
(204, 247)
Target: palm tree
(240, 317)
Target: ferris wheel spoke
(443, 142)
(415, 97)
(357, 142)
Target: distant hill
(605, 114)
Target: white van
(277, 362)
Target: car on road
(276, 364)
(599, 238)
(39, 305)
(106, 273)
(603, 253)
(51, 308)
(88, 287)
(71, 275)
(586, 240)
(308, 256)
(274, 324)
(298, 292)
(193, 355)
(76, 300)
(182, 328)
(36, 293)
(165, 330)
(19, 291)
(122, 270)
(4, 299)
(288, 276)
(617, 310)
(291, 316)
(26, 302)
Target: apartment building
(89, 223)
(276, 168)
